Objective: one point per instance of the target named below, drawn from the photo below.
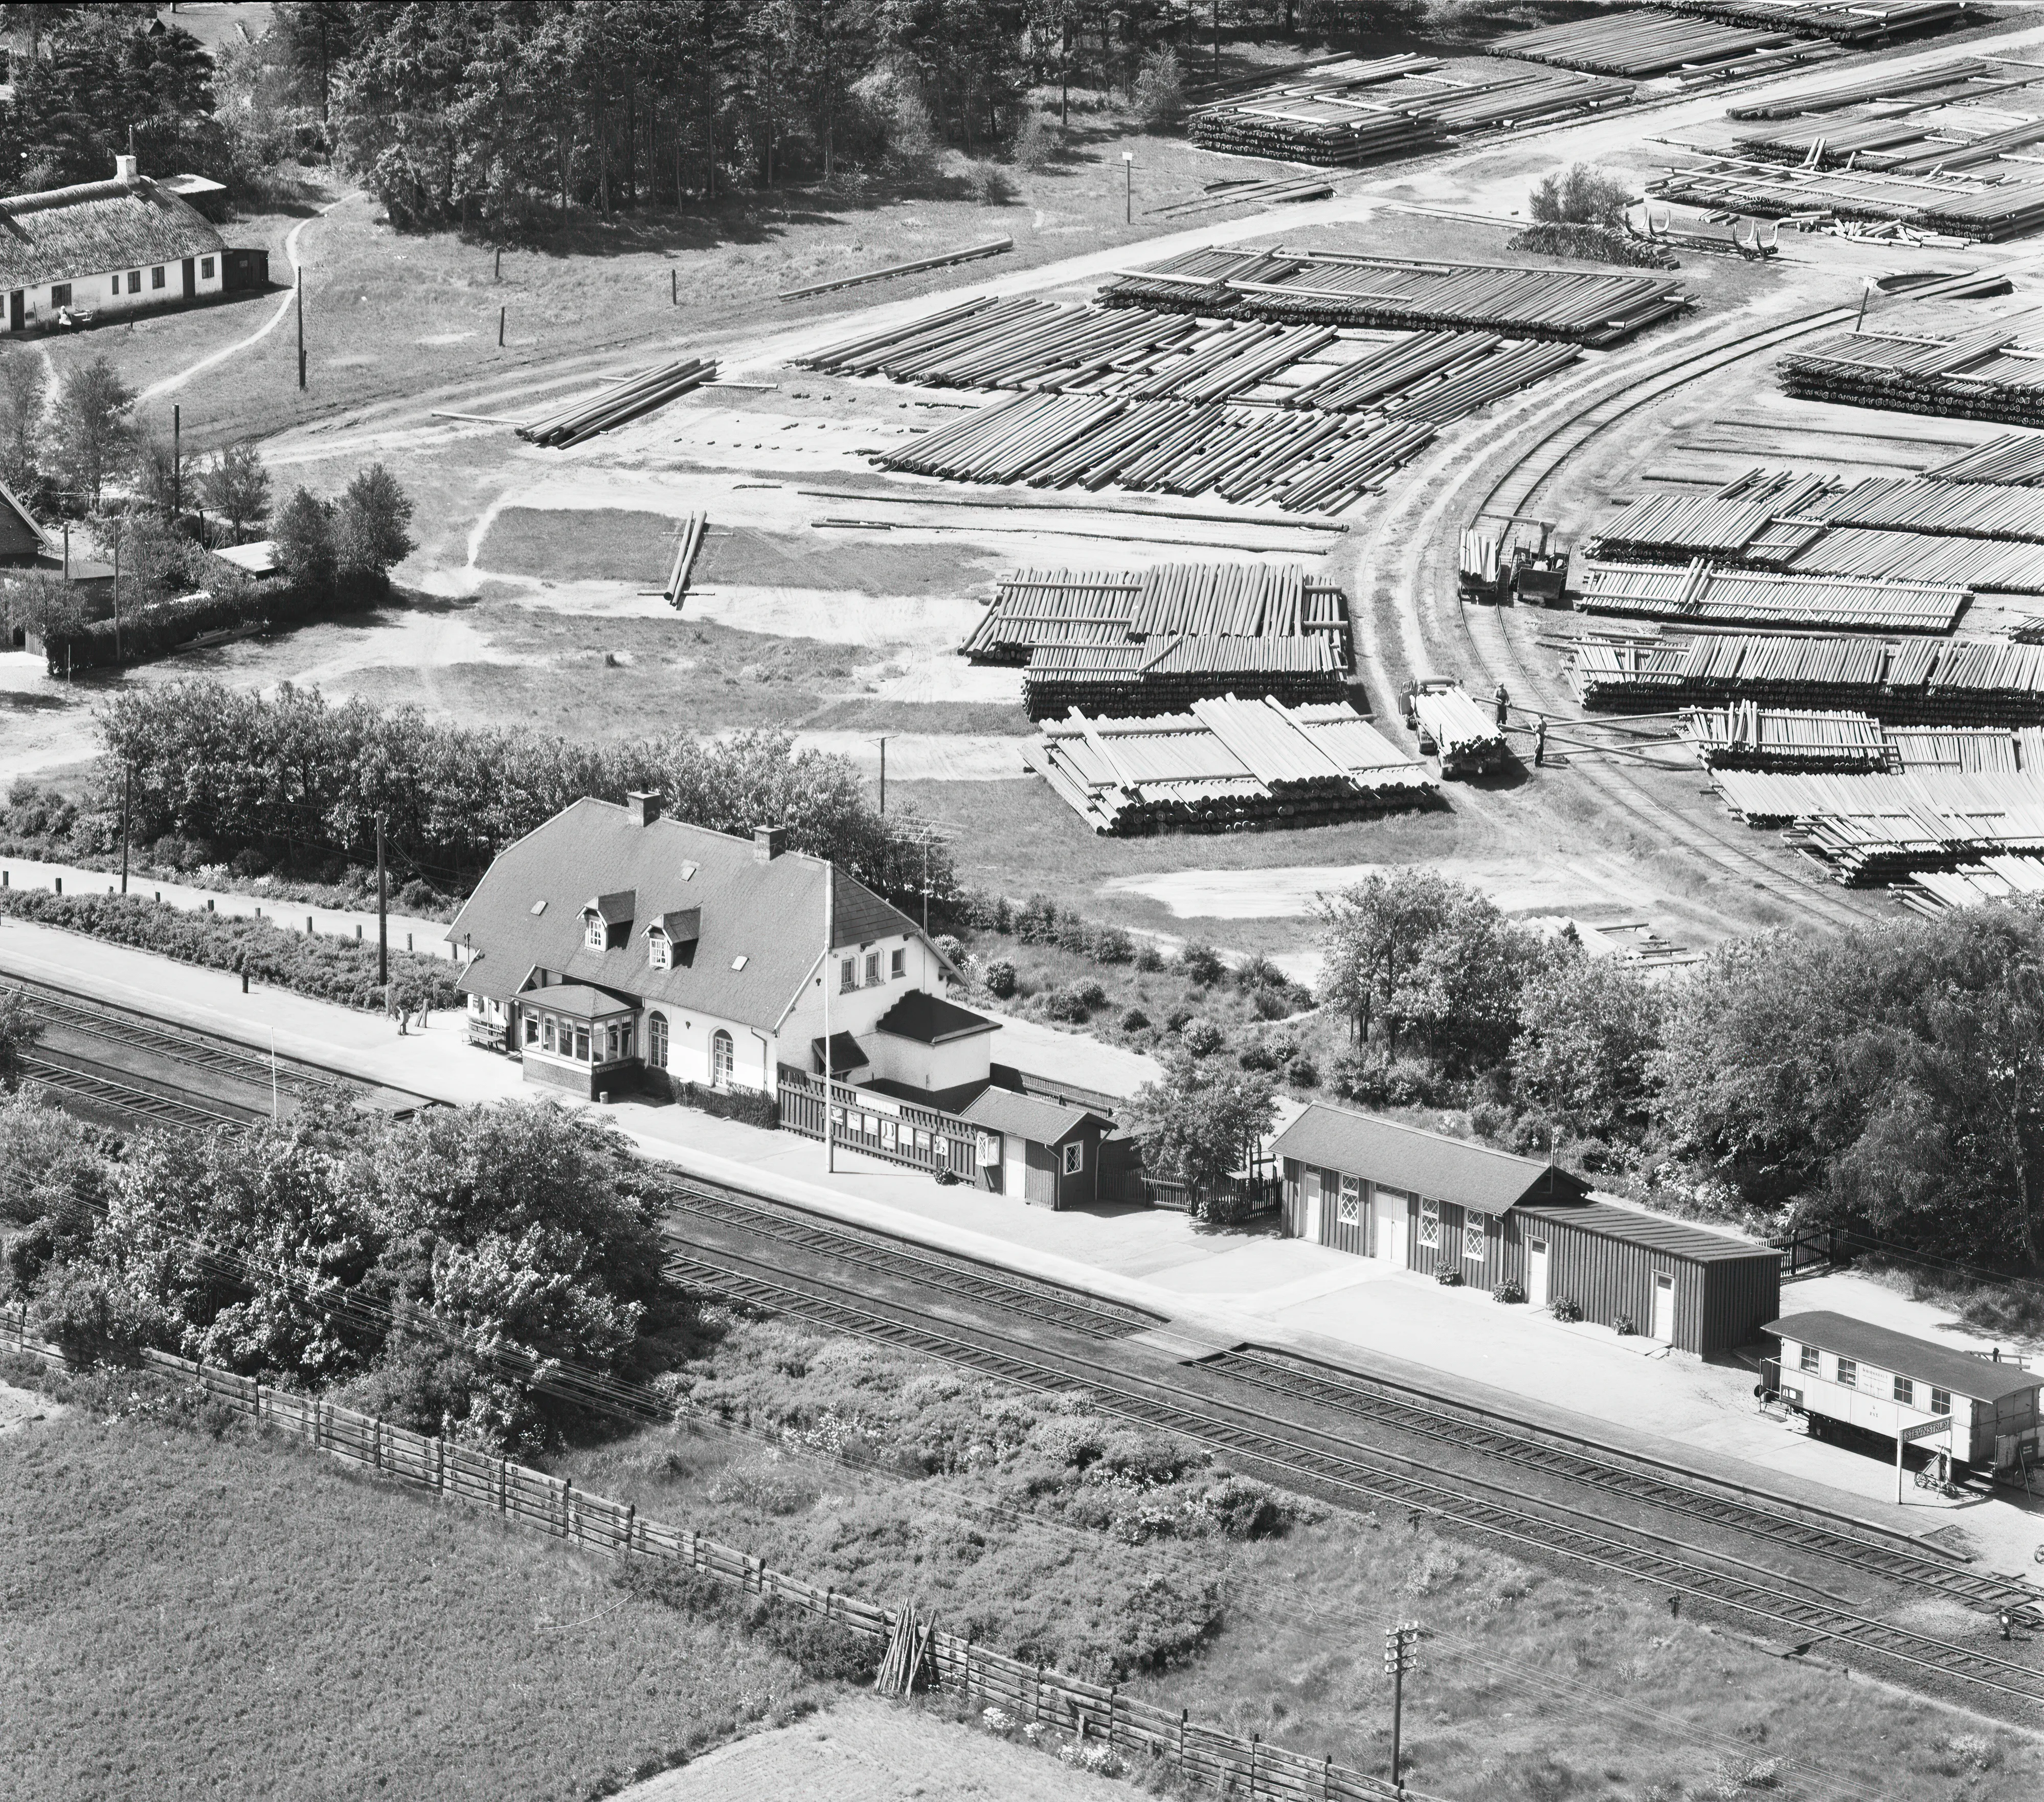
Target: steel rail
(1070, 1308)
(1121, 1394)
(1366, 1398)
(140, 1104)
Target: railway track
(1767, 1600)
(1578, 1460)
(105, 1094)
(951, 1273)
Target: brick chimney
(768, 843)
(644, 808)
(124, 171)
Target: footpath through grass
(186, 1616)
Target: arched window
(656, 1040)
(720, 1059)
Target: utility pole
(382, 918)
(1216, 19)
(300, 286)
(1401, 1645)
(127, 787)
(1128, 189)
(881, 741)
(830, 933)
(117, 590)
(177, 462)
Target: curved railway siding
(1776, 1520)
(1801, 1615)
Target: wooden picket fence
(1207, 1757)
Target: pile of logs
(623, 400)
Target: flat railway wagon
(1466, 1214)
(1844, 1375)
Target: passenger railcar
(1841, 1372)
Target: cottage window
(1350, 1212)
(532, 1030)
(1941, 1401)
(656, 1040)
(872, 969)
(157, 277)
(900, 965)
(1905, 1391)
(134, 281)
(658, 950)
(1430, 1225)
(547, 1033)
(847, 976)
(205, 269)
(581, 1044)
(721, 1060)
(1473, 1237)
(60, 293)
(117, 285)
(1849, 1373)
(1074, 1157)
(1810, 1359)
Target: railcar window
(1905, 1391)
(1849, 1373)
(1809, 1358)
(1941, 1401)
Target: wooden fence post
(1036, 1694)
(1113, 1705)
(630, 1513)
(503, 1486)
(567, 1504)
(440, 1464)
(1255, 1739)
(1326, 1780)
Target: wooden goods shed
(1043, 1152)
(1418, 1200)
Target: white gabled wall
(107, 292)
(858, 1011)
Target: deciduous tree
(94, 440)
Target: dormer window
(595, 933)
(659, 953)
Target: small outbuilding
(1043, 1152)
(1419, 1200)
(1834, 1368)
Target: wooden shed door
(1311, 1203)
(1536, 1273)
(191, 277)
(1664, 1309)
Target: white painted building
(104, 248)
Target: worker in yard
(1504, 704)
(1539, 741)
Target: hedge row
(327, 969)
(155, 630)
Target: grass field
(181, 1616)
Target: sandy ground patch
(849, 619)
(867, 1751)
(1590, 885)
(960, 757)
(20, 1409)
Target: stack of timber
(1345, 289)
(1301, 462)
(1970, 750)
(1641, 43)
(1914, 681)
(1843, 22)
(1881, 85)
(688, 546)
(1468, 740)
(1224, 765)
(1988, 371)
(1144, 354)
(2007, 877)
(1362, 111)
(1979, 565)
(1745, 736)
(2015, 459)
(1987, 207)
(1881, 828)
(1676, 527)
(623, 400)
(1707, 593)
(1172, 670)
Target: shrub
(987, 184)
(1623, 1326)
(1274, 1004)
(1036, 921)
(825, 1649)
(1176, 1019)
(1259, 972)
(1594, 243)
(1112, 945)
(1135, 1020)
(1000, 978)
(1035, 142)
(745, 1104)
(1075, 1002)
(1564, 1308)
(1449, 1278)
(1257, 1056)
(1149, 959)
(1159, 92)
(1508, 1292)
(1203, 1038)
(1580, 195)
(1491, 1120)
(1201, 964)
(1303, 1073)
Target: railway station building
(1421, 1201)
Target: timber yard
(1055, 929)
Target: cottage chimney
(768, 843)
(124, 171)
(644, 808)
